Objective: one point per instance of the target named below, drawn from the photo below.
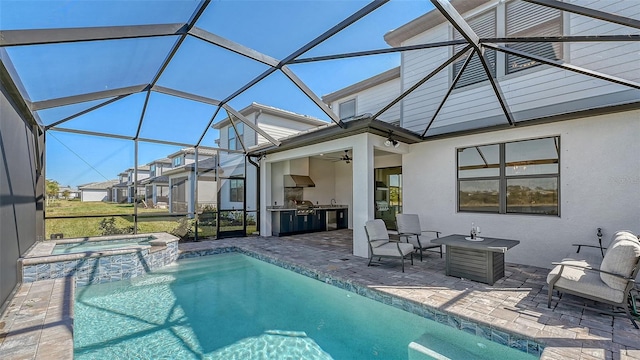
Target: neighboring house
(235, 179)
(139, 190)
(277, 123)
(67, 192)
(96, 191)
(118, 193)
(157, 184)
(368, 96)
(567, 167)
(181, 179)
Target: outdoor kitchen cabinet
(283, 222)
(303, 223)
(320, 220)
(342, 219)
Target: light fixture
(391, 142)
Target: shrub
(108, 227)
(184, 228)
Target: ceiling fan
(346, 158)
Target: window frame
(177, 161)
(355, 108)
(231, 135)
(503, 178)
(233, 185)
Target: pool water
(98, 245)
(232, 306)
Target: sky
(273, 27)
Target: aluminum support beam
(121, 137)
(251, 125)
(233, 46)
(10, 88)
(235, 129)
(208, 126)
(592, 13)
(311, 95)
(85, 111)
(378, 51)
(496, 87)
(446, 96)
(144, 110)
(55, 36)
(75, 99)
(334, 30)
(422, 81)
(185, 95)
(564, 66)
(451, 14)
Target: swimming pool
(62, 247)
(234, 306)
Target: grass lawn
(81, 227)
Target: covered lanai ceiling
(165, 71)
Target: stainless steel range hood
(298, 181)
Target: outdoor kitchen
(304, 196)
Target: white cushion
(621, 258)
(584, 282)
(391, 249)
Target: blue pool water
(98, 245)
(232, 306)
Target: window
(347, 109)
(523, 19)
(177, 161)
(530, 20)
(485, 26)
(234, 144)
(152, 170)
(517, 177)
(237, 190)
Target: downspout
(257, 191)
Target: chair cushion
(408, 224)
(376, 230)
(584, 281)
(391, 249)
(621, 258)
(377, 243)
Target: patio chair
(611, 282)
(381, 246)
(409, 228)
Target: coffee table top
(488, 244)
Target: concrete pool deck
(38, 321)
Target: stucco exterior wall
(599, 176)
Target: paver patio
(38, 321)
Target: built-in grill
(305, 207)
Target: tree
(66, 194)
(51, 188)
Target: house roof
(427, 21)
(355, 126)
(255, 107)
(103, 185)
(165, 160)
(206, 164)
(163, 179)
(201, 151)
(363, 85)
